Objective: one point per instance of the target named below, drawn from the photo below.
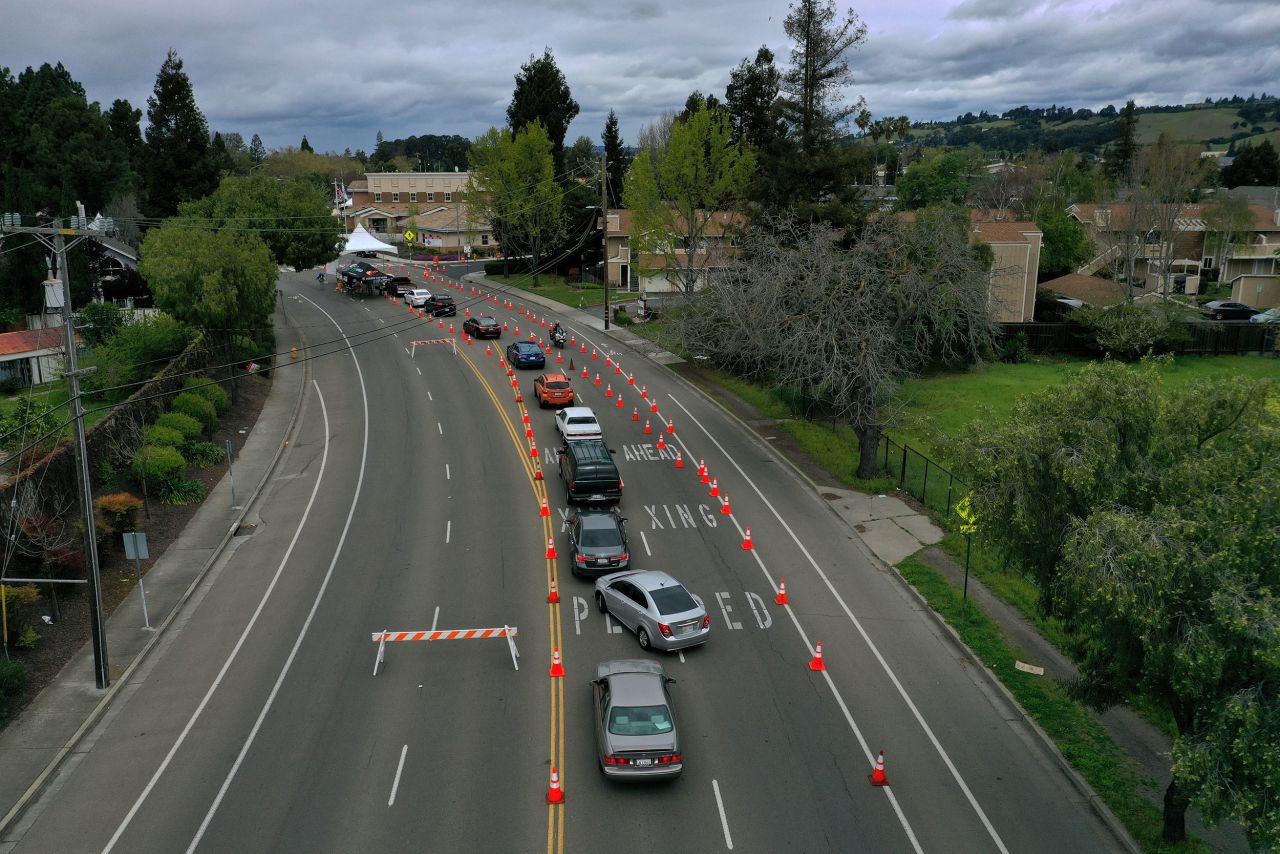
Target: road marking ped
(399, 768)
(440, 428)
(435, 618)
(446, 471)
(724, 822)
(315, 603)
(579, 613)
(893, 677)
(645, 540)
(448, 528)
(763, 619)
(722, 599)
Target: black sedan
(443, 305)
(1222, 309)
(525, 354)
(597, 542)
(482, 326)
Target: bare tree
(1168, 171)
(656, 136)
(1226, 218)
(841, 328)
(43, 522)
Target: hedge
(190, 403)
(158, 434)
(210, 391)
(156, 465)
(186, 425)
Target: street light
(604, 257)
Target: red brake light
(665, 629)
(579, 559)
(573, 484)
(616, 760)
(706, 621)
(624, 556)
(667, 760)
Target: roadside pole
(604, 232)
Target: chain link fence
(920, 477)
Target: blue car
(525, 354)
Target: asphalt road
(407, 501)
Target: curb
(38, 785)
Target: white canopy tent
(360, 240)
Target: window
(395, 197)
(448, 197)
(431, 197)
(377, 197)
(413, 197)
(484, 240)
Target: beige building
(652, 273)
(428, 204)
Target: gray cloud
(294, 67)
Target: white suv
(578, 422)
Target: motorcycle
(559, 337)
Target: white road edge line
(893, 677)
(395, 784)
(419, 370)
(440, 427)
(429, 397)
(435, 618)
(724, 822)
(231, 657)
(448, 529)
(446, 472)
(315, 603)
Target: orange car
(553, 389)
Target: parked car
(553, 389)
(589, 473)
(525, 354)
(597, 542)
(419, 297)
(1271, 315)
(482, 326)
(442, 305)
(399, 285)
(578, 422)
(662, 613)
(1222, 309)
(636, 733)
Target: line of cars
(1225, 309)
(361, 276)
(635, 725)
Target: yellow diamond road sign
(409, 235)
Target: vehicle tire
(604, 609)
(642, 635)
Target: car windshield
(673, 600)
(640, 720)
(588, 420)
(557, 384)
(602, 534)
(486, 321)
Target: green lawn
(551, 286)
(54, 395)
(1191, 125)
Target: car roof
(651, 579)
(637, 689)
(555, 377)
(421, 291)
(570, 411)
(602, 519)
(525, 345)
(485, 319)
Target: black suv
(589, 473)
(443, 305)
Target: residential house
(1248, 264)
(31, 356)
(430, 204)
(1092, 290)
(653, 273)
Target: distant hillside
(1214, 125)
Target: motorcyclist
(557, 334)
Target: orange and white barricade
(386, 636)
(416, 344)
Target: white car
(578, 422)
(419, 297)
(1271, 315)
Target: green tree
(542, 95)
(292, 218)
(811, 104)
(1124, 151)
(220, 156)
(698, 178)
(1228, 219)
(222, 282)
(616, 159)
(306, 146)
(513, 180)
(752, 100)
(257, 151)
(1254, 165)
(580, 159)
(178, 163)
(1064, 247)
(1171, 586)
(126, 127)
(945, 179)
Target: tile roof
(1191, 217)
(1091, 289)
(988, 228)
(30, 340)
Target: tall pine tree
(178, 163)
(542, 95)
(1125, 148)
(615, 157)
(257, 151)
(752, 99)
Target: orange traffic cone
(617, 370)
(747, 545)
(553, 598)
(597, 379)
(715, 488)
(653, 405)
(648, 430)
(608, 390)
(607, 361)
(545, 510)
(584, 372)
(488, 350)
(644, 390)
(725, 511)
(631, 379)
(635, 412)
(661, 443)
(441, 324)
(533, 450)
(703, 476)
(551, 549)
(877, 776)
(557, 669)
(584, 347)
(528, 434)
(619, 404)
(781, 598)
(555, 795)
(671, 426)
(679, 459)
(816, 662)
(537, 470)
(559, 358)
(594, 355)
(524, 415)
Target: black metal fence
(1208, 338)
(920, 477)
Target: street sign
(135, 546)
(409, 235)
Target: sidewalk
(50, 730)
(892, 530)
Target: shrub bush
(156, 465)
(13, 681)
(1015, 350)
(158, 434)
(186, 425)
(117, 511)
(190, 403)
(100, 322)
(1126, 332)
(202, 454)
(181, 490)
(210, 391)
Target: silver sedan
(636, 735)
(662, 613)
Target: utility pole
(97, 623)
(604, 231)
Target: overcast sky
(341, 71)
